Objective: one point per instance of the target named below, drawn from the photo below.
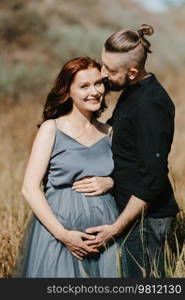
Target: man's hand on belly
(104, 234)
(134, 208)
(93, 186)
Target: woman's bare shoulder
(48, 126)
(46, 130)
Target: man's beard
(111, 86)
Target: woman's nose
(94, 91)
(104, 72)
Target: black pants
(143, 248)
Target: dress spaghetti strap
(55, 123)
(56, 128)
(110, 132)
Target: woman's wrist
(61, 233)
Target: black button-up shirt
(143, 127)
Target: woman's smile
(93, 100)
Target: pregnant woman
(71, 144)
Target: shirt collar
(135, 86)
(142, 82)
(147, 79)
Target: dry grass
(17, 130)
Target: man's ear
(132, 73)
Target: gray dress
(42, 255)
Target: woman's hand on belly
(93, 186)
(75, 243)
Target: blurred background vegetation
(36, 38)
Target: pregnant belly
(75, 211)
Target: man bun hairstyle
(126, 40)
(145, 30)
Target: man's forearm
(133, 209)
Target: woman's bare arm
(36, 168)
(31, 190)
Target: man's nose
(104, 72)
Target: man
(143, 127)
